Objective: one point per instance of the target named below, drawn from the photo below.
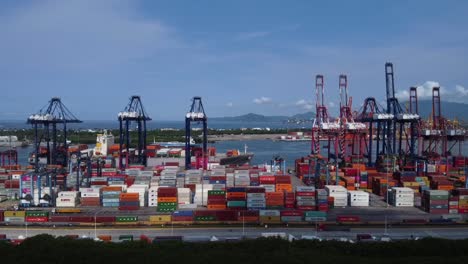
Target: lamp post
(95, 224)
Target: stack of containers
(16, 217)
(441, 183)
(216, 199)
(67, 199)
(363, 180)
(453, 204)
(254, 178)
(141, 190)
(129, 201)
(180, 180)
(110, 196)
(256, 199)
(153, 196)
(274, 200)
(401, 197)
(289, 199)
(90, 197)
(236, 198)
(116, 180)
(291, 216)
(167, 199)
(436, 201)
(201, 194)
(423, 181)
(182, 216)
(270, 216)
(184, 196)
(218, 179)
(168, 178)
(241, 178)
(36, 216)
(267, 182)
(97, 182)
(305, 198)
(339, 194)
(462, 201)
(322, 200)
(192, 178)
(283, 183)
(229, 179)
(358, 198)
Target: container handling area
(365, 167)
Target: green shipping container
(166, 204)
(126, 219)
(216, 192)
(236, 203)
(166, 209)
(205, 218)
(126, 237)
(37, 213)
(439, 197)
(315, 214)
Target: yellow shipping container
(463, 202)
(160, 219)
(14, 214)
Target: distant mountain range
(449, 110)
(251, 117)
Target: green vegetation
(46, 249)
(158, 135)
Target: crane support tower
(352, 134)
(50, 126)
(196, 114)
(135, 112)
(322, 128)
(401, 118)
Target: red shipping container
(463, 211)
(291, 213)
(182, 218)
(348, 218)
(36, 219)
(305, 193)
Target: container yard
(377, 163)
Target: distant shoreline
(242, 137)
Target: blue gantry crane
(401, 118)
(46, 124)
(195, 114)
(135, 112)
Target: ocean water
(264, 150)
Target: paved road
(204, 234)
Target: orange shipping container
(216, 206)
(167, 199)
(129, 195)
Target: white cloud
(262, 100)
(461, 90)
(230, 104)
(424, 92)
(301, 102)
(331, 104)
(308, 107)
(304, 104)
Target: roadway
(205, 233)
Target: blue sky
(239, 56)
